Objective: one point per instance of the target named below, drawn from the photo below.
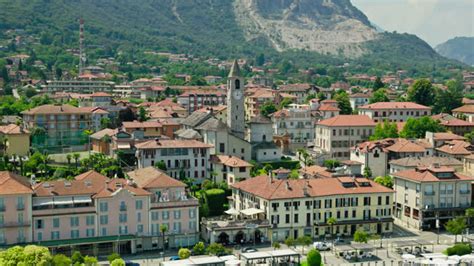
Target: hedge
(459, 249)
(216, 199)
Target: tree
(304, 241)
(331, 164)
(142, 115)
(28, 255)
(163, 230)
(268, 108)
(61, 260)
(76, 157)
(68, 158)
(361, 236)
(331, 222)
(385, 130)
(113, 257)
(215, 249)
(417, 127)
(105, 123)
(422, 92)
(285, 103)
(313, 258)
(90, 261)
(118, 262)
(161, 165)
(199, 248)
(378, 84)
(30, 92)
(449, 99)
(379, 96)
(321, 96)
(184, 253)
(260, 59)
(276, 245)
(367, 172)
(343, 102)
(456, 226)
(290, 242)
(469, 136)
(386, 181)
(77, 257)
(469, 213)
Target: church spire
(234, 70)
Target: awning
(232, 211)
(251, 211)
(63, 201)
(82, 199)
(123, 146)
(42, 202)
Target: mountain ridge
(458, 48)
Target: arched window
(237, 84)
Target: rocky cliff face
(325, 26)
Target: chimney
(305, 189)
(287, 185)
(270, 178)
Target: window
(122, 217)
(366, 201)
(104, 206)
(123, 229)
(74, 221)
(140, 228)
(138, 204)
(90, 232)
(287, 218)
(39, 236)
(166, 215)
(74, 234)
(139, 216)
(55, 222)
(90, 220)
(104, 219)
(296, 218)
(104, 231)
(55, 235)
(192, 213)
(39, 224)
(177, 214)
(155, 216)
(221, 147)
(177, 227)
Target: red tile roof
(261, 186)
(469, 108)
(160, 144)
(328, 107)
(229, 160)
(395, 105)
(145, 124)
(56, 109)
(150, 177)
(11, 184)
(457, 147)
(13, 129)
(348, 121)
(429, 174)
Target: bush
(117, 262)
(199, 248)
(314, 258)
(113, 257)
(184, 253)
(215, 249)
(61, 260)
(90, 261)
(459, 249)
(77, 257)
(215, 199)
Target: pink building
(98, 215)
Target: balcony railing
(464, 191)
(20, 207)
(15, 224)
(429, 193)
(123, 208)
(175, 203)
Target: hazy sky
(435, 21)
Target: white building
(183, 158)
(335, 136)
(359, 99)
(394, 111)
(297, 122)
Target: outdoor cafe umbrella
(408, 256)
(232, 211)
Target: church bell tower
(235, 101)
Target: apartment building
(60, 127)
(335, 136)
(300, 91)
(469, 165)
(183, 158)
(15, 209)
(359, 99)
(196, 99)
(297, 122)
(15, 140)
(229, 169)
(455, 125)
(457, 149)
(300, 207)
(378, 154)
(152, 129)
(78, 86)
(427, 194)
(255, 99)
(97, 215)
(394, 111)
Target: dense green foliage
(456, 226)
(459, 48)
(386, 181)
(447, 100)
(422, 92)
(458, 249)
(361, 236)
(268, 108)
(417, 127)
(379, 96)
(343, 102)
(314, 258)
(215, 199)
(184, 253)
(199, 249)
(385, 130)
(28, 255)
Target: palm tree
(163, 230)
(331, 221)
(68, 158)
(76, 158)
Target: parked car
(322, 246)
(338, 241)
(174, 258)
(249, 250)
(131, 263)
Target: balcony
(174, 203)
(15, 224)
(20, 207)
(123, 208)
(429, 193)
(464, 192)
(58, 211)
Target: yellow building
(15, 140)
